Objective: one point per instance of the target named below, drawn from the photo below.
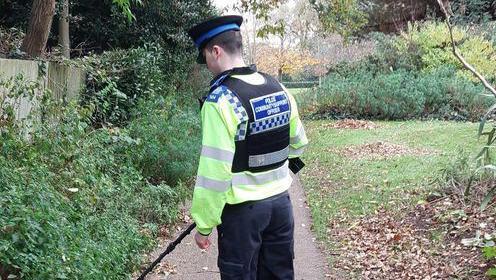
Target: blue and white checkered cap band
(214, 32)
(269, 123)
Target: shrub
(117, 80)
(10, 41)
(84, 203)
(413, 75)
(432, 44)
(397, 94)
(365, 95)
(74, 204)
(389, 55)
(46, 234)
(427, 46)
(168, 142)
(473, 11)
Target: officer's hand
(202, 241)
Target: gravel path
(189, 262)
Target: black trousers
(256, 240)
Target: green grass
(345, 189)
(296, 91)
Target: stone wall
(64, 82)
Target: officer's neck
(232, 63)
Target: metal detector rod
(167, 251)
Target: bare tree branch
(459, 56)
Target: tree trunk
(249, 52)
(64, 41)
(254, 50)
(40, 21)
(281, 58)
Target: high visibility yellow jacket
(216, 184)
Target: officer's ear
(216, 51)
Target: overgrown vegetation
(75, 206)
(86, 187)
(83, 198)
(397, 95)
(10, 42)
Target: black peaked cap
(203, 32)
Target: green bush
(84, 203)
(426, 46)
(398, 94)
(430, 42)
(473, 11)
(412, 75)
(137, 89)
(74, 204)
(381, 96)
(117, 80)
(168, 143)
(46, 234)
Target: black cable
(167, 251)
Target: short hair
(230, 41)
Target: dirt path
(188, 262)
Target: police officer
(251, 134)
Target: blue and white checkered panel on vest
(269, 123)
(241, 131)
(238, 108)
(241, 114)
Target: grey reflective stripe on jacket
(260, 178)
(268, 159)
(217, 154)
(212, 184)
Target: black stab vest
(269, 109)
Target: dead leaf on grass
(381, 149)
(385, 246)
(352, 124)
